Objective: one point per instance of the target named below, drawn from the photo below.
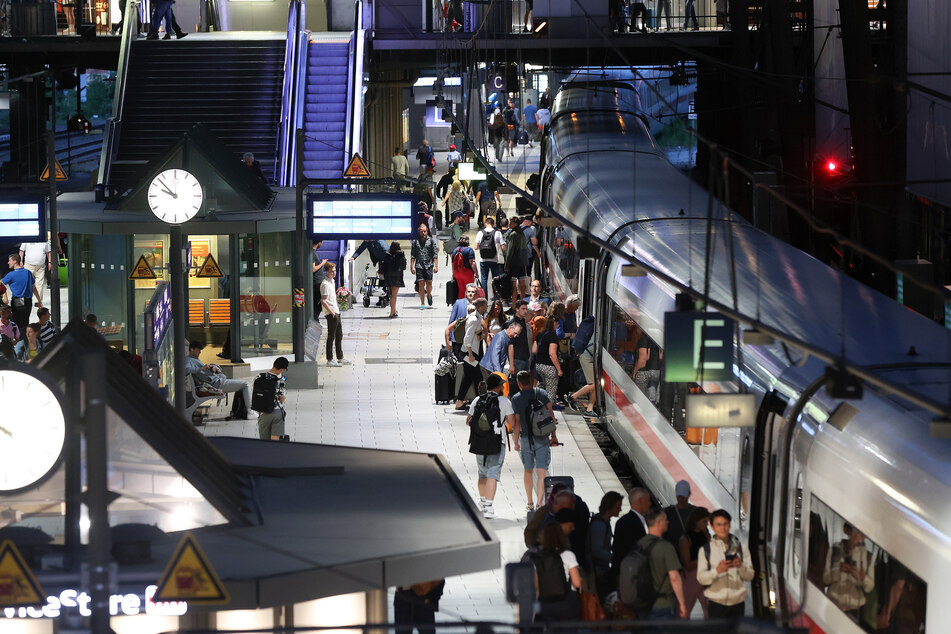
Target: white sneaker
(333, 364)
(489, 512)
(344, 362)
(482, 505)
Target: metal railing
(292, 102)
(354, 120)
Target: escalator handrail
(130, 32)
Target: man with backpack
(517, 257)
(426, 158)
(724, 565)
(534, 434)
(488, 416)
(267, 399)
(491, 249)
(649, 579)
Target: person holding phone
(724, 566)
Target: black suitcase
(551, 481)
(444, 389)
(452, 292)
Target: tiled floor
(390, 406)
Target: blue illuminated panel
(23, 220)
(361, 216)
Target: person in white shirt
(490, 466)
(491, 251)
(472, 351)
(849, 572)
(37, 259)
(724, 566)
(328, 297)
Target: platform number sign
(697, 346)
(497, 83)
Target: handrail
(352, 142)
(130, 32)
(292, 92)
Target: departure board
(23, 219)
(361, 216)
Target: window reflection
(870, 586)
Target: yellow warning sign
(141, 270)
(209, 268)
(190, 577)
(18, 586)
(60, 172)
(357, 168)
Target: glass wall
(154, 248)
(100, 269)
(861, 578)
(266, 294)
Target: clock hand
(167, 190)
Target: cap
(682, 489)
(457, 214)
(452, 147)
(494, 381)
(572, 298)
(565, 515)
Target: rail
(354, 121)
(292, 103)
(64, 143)
(130, 31)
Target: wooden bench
(196, 312)
(219, 312)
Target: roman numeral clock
(175, 196)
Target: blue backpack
(583, 334)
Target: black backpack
(552, 584)
(635, 582)
(264, 393)
(487, 248)
(239, 409)
(483, 439)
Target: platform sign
(209, 268)
(356, 168)
(688, 336)
(18, 586)
(497, 83)
(60, 172)
(190, 577)
(23, 218)
(361, 216)
(142, 270)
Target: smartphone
(730, 556)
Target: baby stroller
(373, 287)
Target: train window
(567, 257)
(870, 586)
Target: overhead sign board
(190, 577)
(698, 346)
(361, 216)
(497, 83)
(23, 219)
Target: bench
(193, 400)
(196, 312)
(219, 312)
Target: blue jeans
(663, 614)
(691, 14)
(486, 268)
(162, 10)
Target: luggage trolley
(373, 287)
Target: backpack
(515, 245)
(542, 422)
(459, 330)
(583, 334)
(239, 409)
(483, 439)
(264, 393)
(552, 584)
(635, 581)
(458, 259)
(487, 248)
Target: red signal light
(831, 166)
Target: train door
(764, 463)
(602, 315)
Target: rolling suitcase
(551, 481)
(452, 292)
(445, 384)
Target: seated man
(211, 373)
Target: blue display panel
(23, 218)
(361, 216)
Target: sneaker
(481, 505)
(489, 512)
(333, 364)
(343, 362)
(530, 508)
(167, 36)
(181, 34)
(429, 298)
(152, 36)
(422, 306)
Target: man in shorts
(535, 451)
(490, 467)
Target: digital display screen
(163, 317)
(23, 220)
(361, 216)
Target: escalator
(231, 82)
(325, 107)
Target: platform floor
(385, 400)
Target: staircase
(325, 109)
(233, 86)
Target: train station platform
(385, 400)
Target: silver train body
(883, 474)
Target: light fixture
(754, 337)
(721, 410)
(541, 26)
(842, 415)
(840, 384)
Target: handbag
(591, 609)
(564, 347)
(446, 365)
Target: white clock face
(175, 196)
(32, 431)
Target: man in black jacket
(631, 527)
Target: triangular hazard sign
(190, 577)
(357, 168)
(18, 586)
(142, 270)
(60, 172)
(209, 268)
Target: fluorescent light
(721, 410)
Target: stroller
(373, 287)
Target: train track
(71, 147)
